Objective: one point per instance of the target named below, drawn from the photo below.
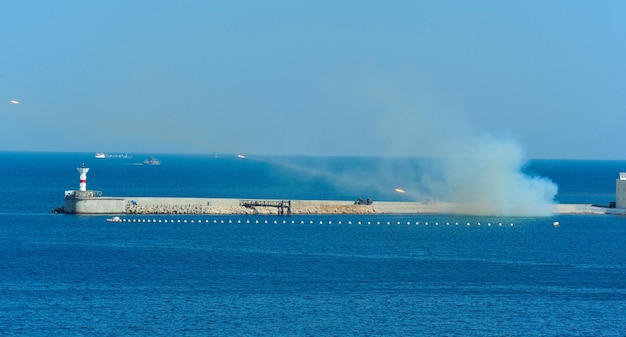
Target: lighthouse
(84, 201)
(83, 177)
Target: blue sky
(363, 78)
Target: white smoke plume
(474, 172)
(479, 174)
(485, 177)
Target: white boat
(114, 219)
(102, 155)
(152, 161)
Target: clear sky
(365, 78)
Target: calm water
(303, 275)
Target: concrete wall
(620, 193)
(117, 205)
(102, 205)
(153, 201)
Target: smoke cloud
(469, 170)
(485, 177)
(477, 173)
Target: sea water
(407, 275)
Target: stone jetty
(143, 205)
(236, 206)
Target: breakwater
(237, 206)
(173, 206)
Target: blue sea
(345, 275)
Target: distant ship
(152, 161)
(102, 155)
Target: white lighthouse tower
(82, 191)
(83, 177)
(84, 201)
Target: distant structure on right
(620, 191)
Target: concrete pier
(243, 206)
(94, 205)
(84, 201)
(157, 205)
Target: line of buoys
(302, 222)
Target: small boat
(114, 219)
(101, 155)
(152, 161)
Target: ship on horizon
(102, 155)
(152, 161)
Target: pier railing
(82, 194)
(281, 205)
